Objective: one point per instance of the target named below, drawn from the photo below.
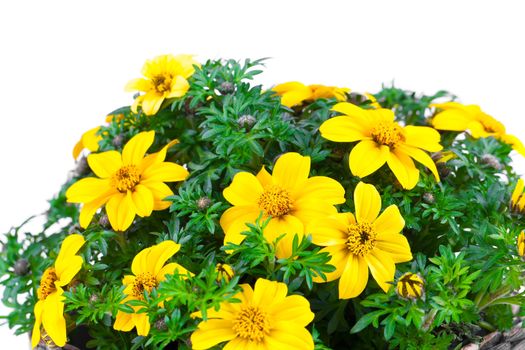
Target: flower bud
(491, 161)
(82, 166)
(21, 267)
(93, 299)
(203, 203)
(428, 198)
(410, 286)
(103, 221)
(521, 244)
(118, 141)
(160, 325)
(226, 87)
(246, 121)
(224, 272)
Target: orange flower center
(47, 283)
(126, 178)
(143, 282)
(251, 323)
(388, 133)
(361, 238)
(275, 201)
(162, 83)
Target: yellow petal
(421, 157)
(328, 231)
(212, 332)
(91, 138)
(290, 337)
(151, 103)
(382, 268)
(288, 86)
(290, 226)
(267, 293)
(105, 164)
(245, 189)
(367, 203)
(164, 172)
(121, 211)
(136, 148)
(79, 146)
(366, 157)
(518, 191)
(294, 309)
(390, 221)
(238, 225)
(187, 64)
(395, 245)
(140, 262)
(343, 129)
(423, 137)
(308, 209)
(160, 191)
(171, 269)
(143, 200)
(452, 120)
(339, 255)
(264, 177)
(246, 212)
(35, 336)
(354, 277)
(350, 109)
(159, 254)
(89, 209)
(87, 189)
(53, 318)
(322, 188)
(404, 169)
(142, 323)
(291, 171)
(158, 157)
(139, 84)
(123, 322)
(179, 87)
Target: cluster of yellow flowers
(132, 183)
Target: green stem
(487, 326)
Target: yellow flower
(454, 116)
(361, 242)
(165, 77)
(410, 286)
(517, 201)
(88, 140)
(294, 93)
(49, 309)
(148, 271)
(129, 184)
(382, 140)
(521, 244)
(265, 319)
(288, 196)
(224, 272)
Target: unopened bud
(521, 244)
(443, 170)
(118, 141)
(491, 161)
(74, 229)
(224, 271)
(21, 267)
(93, 299)
(226, 87)
(246, 121)
(82, 166)
(160, 324)
(428, 198)
(410, 286)
(203, 203)
(103, 221)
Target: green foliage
(461, 230)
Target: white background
(63, 65)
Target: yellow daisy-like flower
(382, 140)
(454, 116)
(148, 271)
(288, 196)
(129, 184)
(265, 319)
(517, 201)
(88, 140)
(361, 242)
(165, 77)
(294, 93)
(410, 286)
(521, 244)
(49, 309)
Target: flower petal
(322, 188)
(159, 254)
(309, 209)
(53, 318)
(89, 209)
(423, 137)
(245, 212)
(390, 221)
(422, 158)
(233, 234)
(105, 164)
(290, 337)
(288, 224)
(328, 231)
(404, 169)
(451, 119)
(142, 323)
(354, 277)
(136, 148)
(367, 203)
(212, 332)
(179, 87)
(366, 157)
(143, 200)
(291, 171)
(267, 293)
(294, 309)
(382, 268)
(343, 129)
(160, 192)
(140, 262)
(264, 177)
(171, 269)
(395, 245)
(123, 322)
(164, 172)
(151, 103)
(121, 211)
(245, 189)
(339, 256)
(35, 336)
(87, 189)
(518, 191)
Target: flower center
(144, 281)
(162, 83)
(47, 283)
(275, 201)
(361, 238)
(126, 178)
(251, 323)
(388, 133)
